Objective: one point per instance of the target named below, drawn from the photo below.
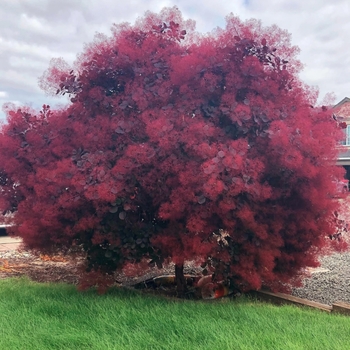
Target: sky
(32, 32)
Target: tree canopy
(177, 146)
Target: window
(346, 141)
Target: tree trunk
(181, 286)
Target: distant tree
(177, 146)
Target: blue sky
(34, 31)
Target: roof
(344, 100)
(342, 109)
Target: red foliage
(169, 137)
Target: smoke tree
(177, 147)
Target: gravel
(330, 282)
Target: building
(342, 113)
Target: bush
(177, 146)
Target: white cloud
(32, 24)
(34, 31)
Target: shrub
(177, 146)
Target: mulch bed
(42, 268)
(38, 268)
(325, 287)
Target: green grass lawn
(56, 316)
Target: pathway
(9, 243)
